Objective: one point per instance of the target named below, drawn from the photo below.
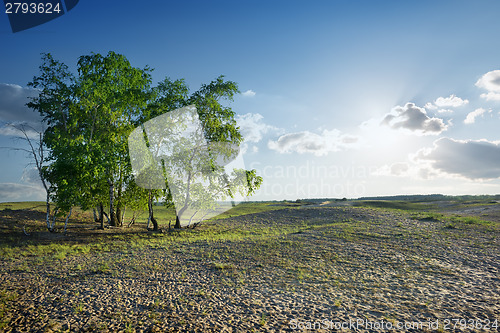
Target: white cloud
(32, 177)
(451, 101)
(471, 117)
(31, 188)
(490, 81)
(396, 169)
(248, 93)
(473, 160)
(430, 106)
(20, 192)
(444, 103)
(308, 142)
(443, 111)
(244, 148)
(8, 130)
(12, 130)
(253, 128)
(414, 170)
(479, 159)
(13, 99)
(491, 96)
(415, 119)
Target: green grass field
(83, 238)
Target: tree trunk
(155, 223)
(101, 215)
(67, 219)
(107, 217)
(47, 202)
(191, 219)
(177, 222)
(112, 219)
(53, 226)
(186, 201)
(112, 216)
(119, 222)
(132, 220)
(180, 213)
(151, 212)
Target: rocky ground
(314, 268)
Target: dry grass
(255, 271)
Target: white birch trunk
(67, 218)
(54, 219)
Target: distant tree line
(432, 197)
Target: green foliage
(221, 134)
(428, 216)
(471, 220)
(90, 116)
(402, 205)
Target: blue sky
(339, 98)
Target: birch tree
(89, 117)
(37, 151)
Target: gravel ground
(340, 265)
